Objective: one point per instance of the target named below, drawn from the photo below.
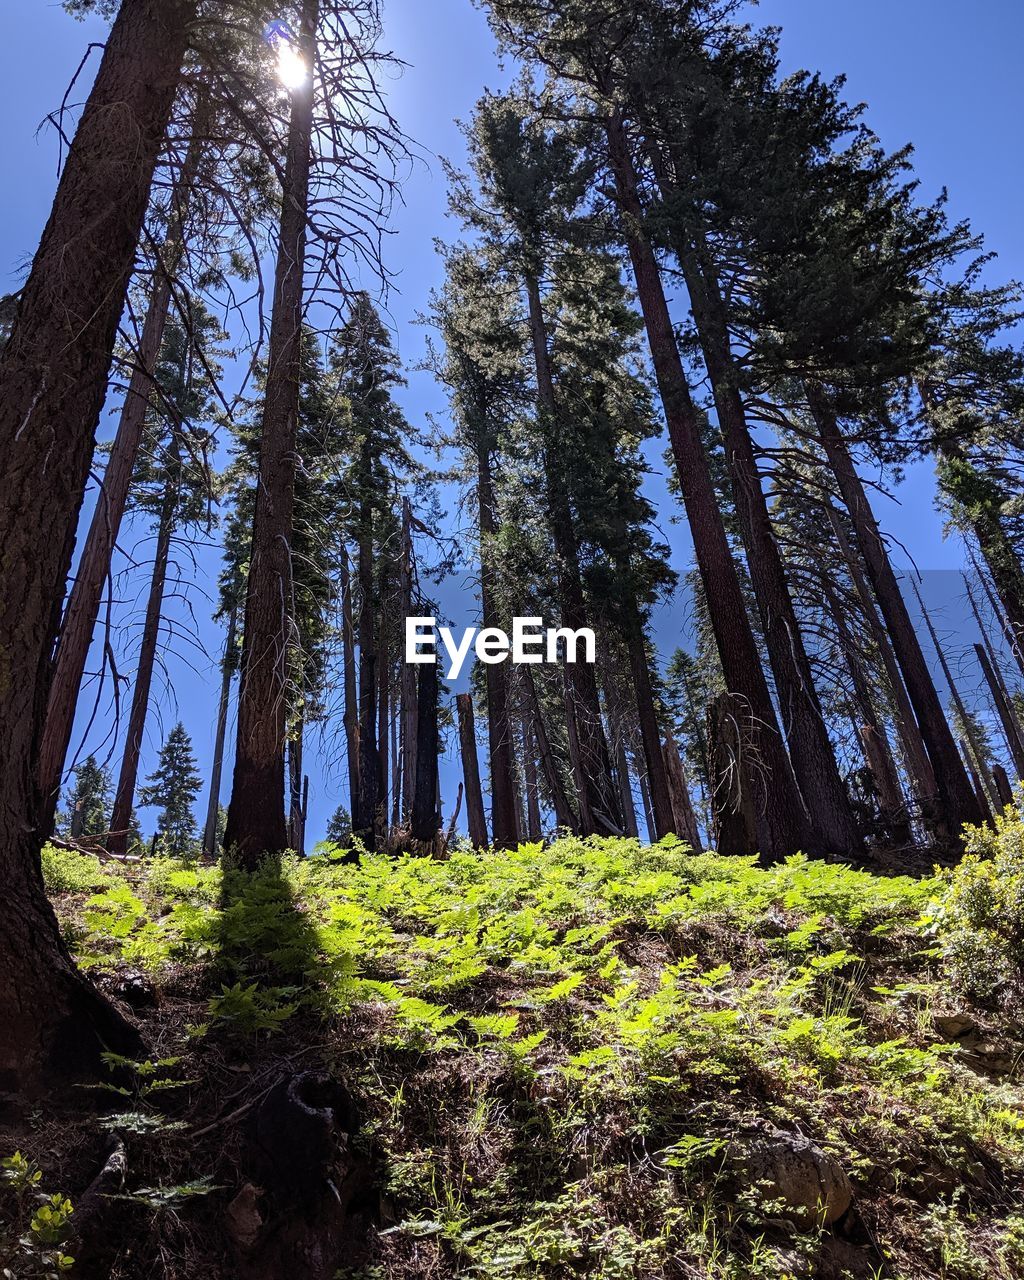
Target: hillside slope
(591, 1059)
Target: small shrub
(65, 871)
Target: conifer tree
(172, 787)
(88, 801)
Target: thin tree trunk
(364, 813)
(425, 819)
(53, 381)
(999, 610)
(1002, 785)
(256, 819)
(296, 832)
(961, 708)
(598, 800)
(408, 670)
(383, 705)
(227, 675)
(784, 824)
(351, 718)
(645, 799)
(124, 796)
(650, 733)
(915, 754)
(733, 773)
(79, 621)
(1012, 730)
(956, 800)
(533, 821)
(471, 772)
(499, 727)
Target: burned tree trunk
(684, 819)
(351, 717)
(256, 818)
(471, 772)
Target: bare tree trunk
(471, 772)
(53, 380)
(733, 773)
(296, 817)
(227, 675)
(645, 799)
(364, 812)
(1002, 785)
(684, 819)
(1012, 730)
(124, 796)
(965, 718)
(383, 704)
(785, 823)
(425, 818)
(956, 799)
(915, 754)
(256, 820)
(351, 718)
(408, 670)
(999, 610)
(598, 800)
(83, 606)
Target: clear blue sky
(933, 72)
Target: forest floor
(587, 1059)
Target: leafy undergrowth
(564, 1059)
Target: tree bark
(810, 748)
(256, 818)
(53, 377)
(565, 819)
(915, 754)
(599, 808)
(499, 725)
(124, 796)
(425, 818)
(733, 773)
(364, 812)
(956, 801)
(217, 770)
(471, 772)
(533, 826)
(684, 819)
(650, 732)
(1004, 709)
(975, 752)
(83, 606)
(408, 670)
(351, 718)
(785, 825)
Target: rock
(812, 1184)
(953, 1026)
(243, 1216)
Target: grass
(562, 1056)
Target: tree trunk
(785, 824)
(53, 379)
(564, 816)
(999, 611)
(227, 675)
(599, 809)
(256, 819)
(533, 824)
(810, 748)
(650, 733)
(351, 718)
(645, 800)
(296, 822)
(1004, 709)
(684, 819)
(955, 799)
(471, 772)
(1002, 785)
(83, 606)
(915, 755)
(425, 818)
(408, 669)
(124, 796)
(499, 726)
(733, 795)
(383, 706)
(364, 812)
(965, 718)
